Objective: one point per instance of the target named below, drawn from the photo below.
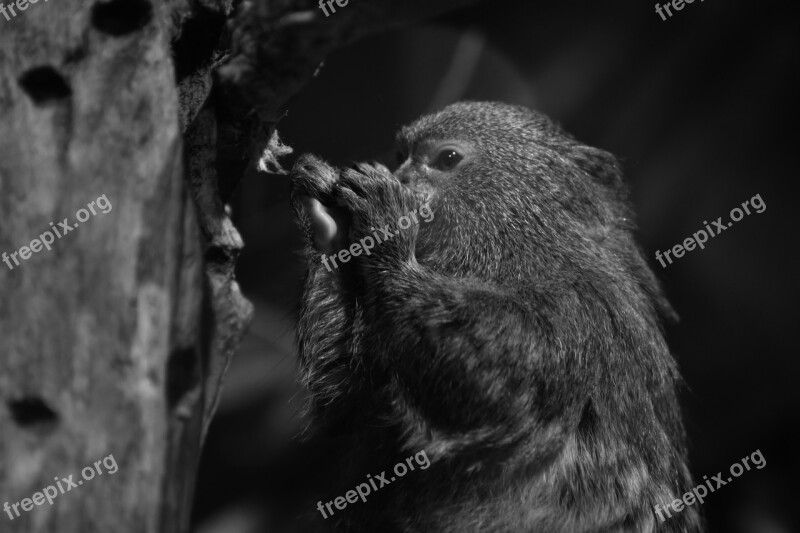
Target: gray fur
(515, 338)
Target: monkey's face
(470, 161)
(514, 196)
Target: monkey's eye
(447, 159)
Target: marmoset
(515, 337)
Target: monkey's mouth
(329, 224)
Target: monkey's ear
(601, 166)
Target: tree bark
(115, 336)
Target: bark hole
(121, 17)
(183, 375)
(44, 84)
(218, 256)
(32, 413)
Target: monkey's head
(515, 197)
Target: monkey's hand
(383, 212)
(312, 186)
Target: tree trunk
(119, 311)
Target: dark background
(701, 109)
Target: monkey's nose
(406, 175)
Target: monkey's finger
(356, 182)
(375, 170)
(371, 184)
(313, 177)
(328, 225)
(343, 195)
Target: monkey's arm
(323, 351)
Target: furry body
(515, 338)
